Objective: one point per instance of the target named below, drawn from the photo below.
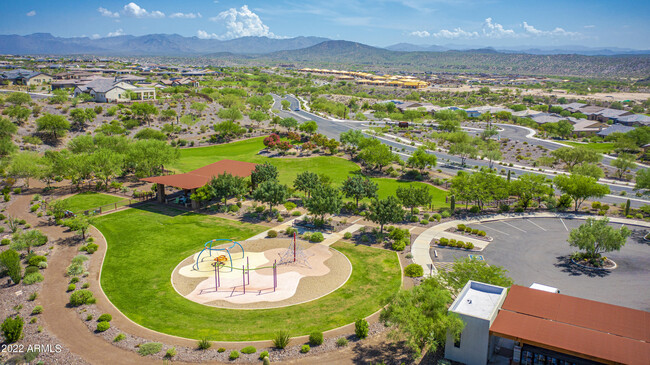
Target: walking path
(421, 246)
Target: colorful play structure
(221, 258)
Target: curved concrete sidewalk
(421, 245)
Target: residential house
(590, 111)
(477, 112)
(108, 89)
(586, 127)
(572, 107)
(615, 128)
(634, 119)
(25, 77)
(543, 118)
(610, 115)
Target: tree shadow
(387, 353)
(638, 235)
(567, 266)
(159, 209)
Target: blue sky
(623, 23)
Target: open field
(603, 147)
(145, 244)
(90, 200)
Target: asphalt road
(536, 251)
(447, 163)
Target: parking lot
(536, 250)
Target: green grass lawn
(389, 187)
(89, 200)
(600, 147)
(146, 244)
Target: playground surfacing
(324, 271)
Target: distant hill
(409, 47)
(552, 50)
(147, 45)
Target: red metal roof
(581, 327)
(201, 176)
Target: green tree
(564, 129)
(491, 150)
(106, 164)
(229, 129)
(25, 165)
(7, 131)
(596, 236)
(12, 329)
(59, 97)
(147, 157)
(310, 127)
(580, 188)
(385, 211)
(10, 262)
(18, 113)
(231, 114)
(529, 187)
(377, 155)
(420, 316)
(324, 200)
(52, 125)
(588, 169)
(18, 98)
(306, 182)
(466, 269)
(262, 173)
(148, 133)
(352, 139)
(286, 104)
(144, 111)
(643, 180)
(168, 114)
(421, 159)
(464, 150)
(198, 108)
(81, 117)
(28, 239)
(413, 196)
(226, 186)
(258, 116)
(80, 224)
(359, 187)
(573, 156)
(624, 163)
(271, 192)
(288, 123)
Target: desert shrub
(475, 231)
(460, 244)
(347, 235)
(204, 344)
(105, 318)
(36, 259)
(31, 269)
(85, 286)
(272, 234)
(119, 337)
(74, 280)
(445, 214)
(234, 355)
(413, 218)
(221, 349)
(290, 231)
(233, 208)
(398, 245)
(33, 296)
(264, 354)
(103, 326)
(72, 287)
(443, 241)
(504, 208)
(90, 248)
(248, 350)
(37, 309)
(171, 352)
(413, 271)
(424, 222)
(304, 349)
(149, 348)
(342, 342)
(35, 277)
(481, 233)
(469, 245)
(361, 327)
(10, 261)
(474, 209)
(290, 206)
(436, 217)
(519, 209)
(316, 338)
(460, 227)
(81, 297)
(89, 317)
(295, 213)
(12, 329)
(281, 339)
(595, 205)
(259, 209)
(5, 241)
(316, 237)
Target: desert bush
(171, 352)
(316, 237)
(149, 348)
(81, 297)
(264, 354)
(304, 349)
(398, 245)
(361, 327)
(272, 234)
(12, 329)
(37, 309)
(316, 338)
(71, 287)
(36, 259)
(414, 271)
(204, 344)
(33, 278)
(248, 350)
(342, 342)
(460, 227)
(281, 339)
(105, 318)
(445, 214)
(347, 235)
(234, 355)
(221, 349)
(103, 326)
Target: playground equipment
(294, 254)
(208, 246)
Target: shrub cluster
(81, 297)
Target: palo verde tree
(413, 196)
(588, 169)
(464, 270)
(324, 200)
(643, 180)
(271, 192)
(529, 187)
(310, 127)
(106, 164)
(80, 224)
(385, 211)
(230, 114)
(624, 163)
(144, 111)
(359, 187)
(420, 316)
(81, 117)
(377, 155)
(596, 236)
(28, 239)
(573, 156)
(352, 140)
(580, 188)
(7, 130)
(53, 126)
(306, 182)
(421, 159)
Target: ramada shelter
(529, 326)
(195, 179)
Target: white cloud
(185, 15)
(107, 13)
(456, 33)
(31, 13)
(116, 33)
(420, 33)
(557, 32)
(95, 36)
(134, 10)
(205, 35)
(496, 30)
(242, 23)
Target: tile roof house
(25, 77)
(590, 111)
(572, 107)
(587, 127)
(608, 114)
(543, 118)
(615, 128)
(108, 89)
(634, 119)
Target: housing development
(201, 186)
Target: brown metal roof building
(200, 177)
(585, 329)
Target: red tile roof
(201, 176)
(580, 327)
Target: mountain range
(177, 45)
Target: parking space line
(529, 221)
(494, 229)
(564, 225)
(515, 227)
